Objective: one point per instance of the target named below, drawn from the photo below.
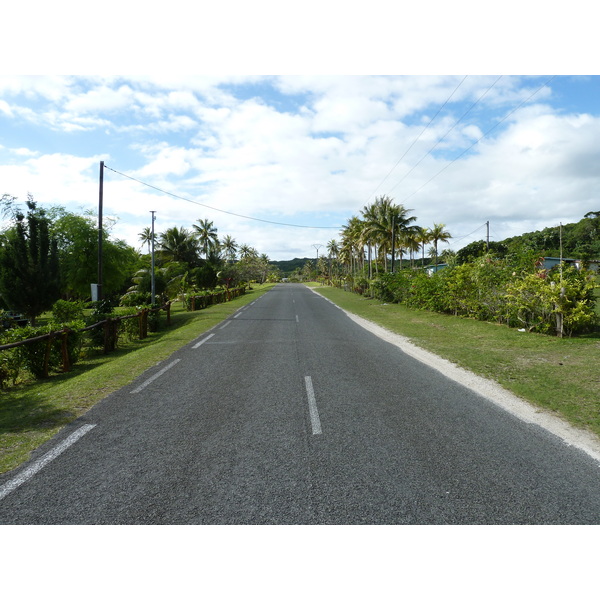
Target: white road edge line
(223, 326)
(297, 320)
(312, 406)
(155, 376)
(492, 391)
(202, 341)
(39, 464)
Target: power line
(447, 133)
(456, 240)
(478, 140)
(420, 134)
(217, 209)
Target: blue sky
(307, 150)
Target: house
(551, 261)
(431, 269)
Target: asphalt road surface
(291, 413)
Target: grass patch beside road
(33, 413)
(561, 375)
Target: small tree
(29, 275)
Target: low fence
(110, 328)
(59, 349)
(199, 301)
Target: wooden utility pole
(100, 230)
(153, 279)
(394, 242)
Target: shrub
(103, 310)
(536, 300)
(136, 298)
(64, 311)
(10, 362)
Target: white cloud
(5, 108)
(101, 99)
(320, 145)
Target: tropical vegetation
(506, 282)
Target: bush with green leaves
(130, 328)
(504, 290)
(10, 362)
(535, 301)
(64, 311)
(136, 299)
(102, 310)
(427, 291)
(32, 356)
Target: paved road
(291, 413)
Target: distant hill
(287, 267)
(579, 240)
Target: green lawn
(562, 375)
(32, 413)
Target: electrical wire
(447, 133)
(217, 209)
(456, 240)
(420, 134)
(478, 140)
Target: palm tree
(247, 251)
(206, 233)
(333, 249)
(146, 237)
(178, 244)
(438, 234)
(352, 248)
(385, 220)
(424, 238)
(411, 241)
(229, 245)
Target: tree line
(47, 255)
(376, 241)
(504, 282)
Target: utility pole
(100, 200)
(487, 238)
(316, 247)
(153, 288)
(559, 313)
(394, 241)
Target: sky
(282, 162)
(277, 151)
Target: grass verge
(33, 413)
(560, 375)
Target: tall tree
(206, 233)
(353, 251)
(29, 272)
(334, 250)
(77, 238)
(438, 234)
(230, 247)
(247, 251)
(411, 241)
(146, 237)
(424, 237)
(384, 220)
(177, 244)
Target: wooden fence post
(47, 355)
(65, 350)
